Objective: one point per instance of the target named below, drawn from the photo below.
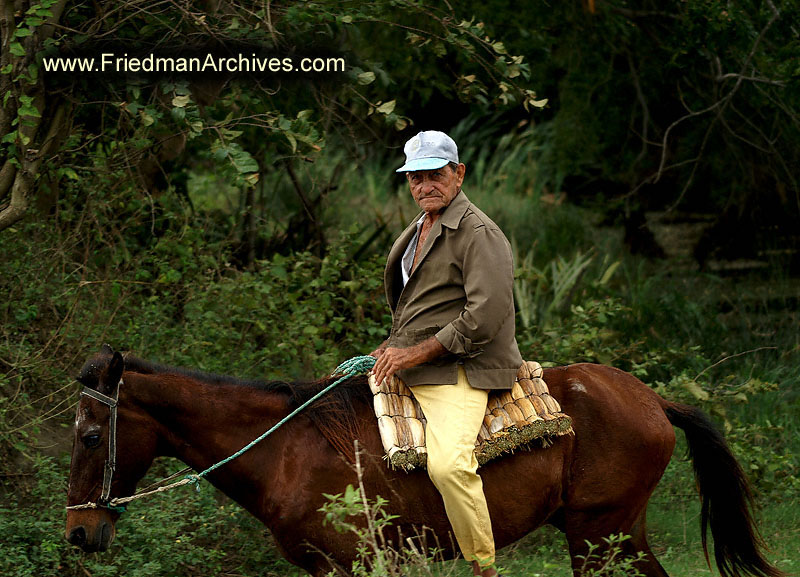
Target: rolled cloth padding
(527, 414)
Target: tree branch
(633, 14)
(22, 181)
(724, 77)
(300, 192)
(719, 105)
(7, 174)
(645, 110)
(696, 161)
(21, 191)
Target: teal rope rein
(349, 368)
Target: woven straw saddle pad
(525, 414)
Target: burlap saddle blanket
(525, 415)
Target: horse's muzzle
(92, 541)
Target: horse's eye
(91, 441)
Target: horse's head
(105, 464)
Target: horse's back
(607, 401)
(623, 439)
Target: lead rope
(349, 368)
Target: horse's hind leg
(638, 543)
(594, 526)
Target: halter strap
(105, 399)
(111, 463)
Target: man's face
(433, 190)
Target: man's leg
(454, 415)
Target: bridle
(111, 463)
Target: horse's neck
(201, 423)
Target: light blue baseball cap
(429, 150)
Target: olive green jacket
(461, 291)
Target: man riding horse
(449, 283)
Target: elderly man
(449, 280)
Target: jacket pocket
(416, 336)
(410, 337)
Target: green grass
(674, 536)
(673, 520)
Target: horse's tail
(727, 502)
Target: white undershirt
(411, 250)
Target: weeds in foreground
(608, 561)
(378, 555)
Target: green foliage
(609, 560)
(541, 293)
(767, 456)
(300, 315)
(380, 555)
(375, 555)
(34, 543)
(184, 533)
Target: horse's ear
(114, 373)
(83, 378)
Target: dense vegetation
(240, 225)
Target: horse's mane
(334, 414)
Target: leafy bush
(301, 315)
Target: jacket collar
(452, 215)
(451, 218)
(455, 211)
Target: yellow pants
(454, 415)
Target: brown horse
(589, 485)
